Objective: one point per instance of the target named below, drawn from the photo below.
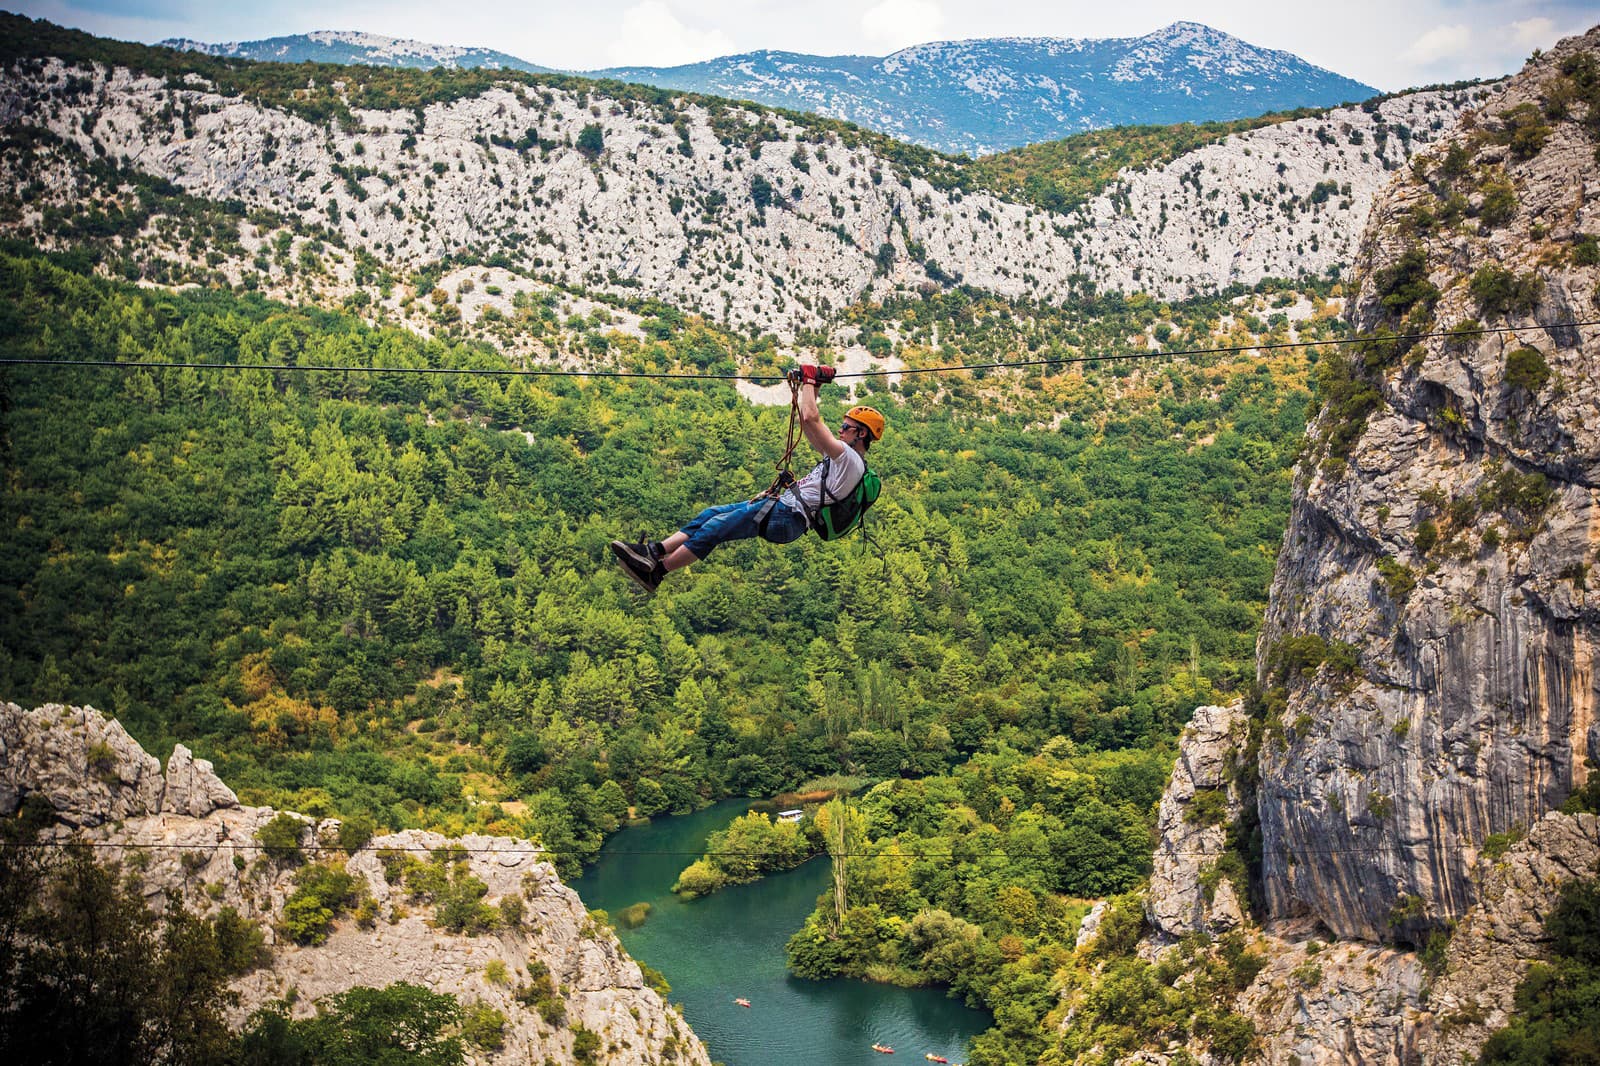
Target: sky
(1391, 44)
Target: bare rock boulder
(1191, 887)
(193, 788)
(83, 764)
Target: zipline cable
(1271, 346)
(504, 372)
(915, 854)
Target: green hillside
(355, 586)
(388, 597)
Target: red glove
(811, 375)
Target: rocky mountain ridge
(986, 95)
(351, 46)
(742, 215)
(183, 833)
(972, 96)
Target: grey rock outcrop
(1435, 559)
(188, 837)
(84, 765)
(1352, 1002)
(193, 788)
(1498, 940)
(1190, 889)
(1089, 927)
(1337, 1002)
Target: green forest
(387, 596)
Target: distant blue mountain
(974, 96)
(985, 95)
(367, 49)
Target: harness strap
(764, 514)
(785, 478)
(814, 519)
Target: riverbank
(731, 946)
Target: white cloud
(1533, 33)
(1439, 44)
(900, 23)
(651, 35)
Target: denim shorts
(739, 521)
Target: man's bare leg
(679, 556)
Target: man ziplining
(830, 499)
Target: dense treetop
(390, 595)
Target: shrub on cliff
(321, 893)
(1500, 292)
(403, 1023)
(1404, 284)
(88, 974)
(1557, 1016)
(280, 838)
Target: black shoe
(647, 575)
(643, 552)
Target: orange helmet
(869, 417)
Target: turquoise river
(730, 946)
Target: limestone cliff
(1426, 662)
(744, 215)
(184, 832)
(1190, 891)
(1430, 638)
(1320, 1000)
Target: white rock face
(193, 788)
(85, 765)
(1284, 200)
(1446, 548)
(1186, 894)
(643, 218)
(192, 838)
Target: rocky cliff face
(1427, 654)
(1285, 200)
(185, 833)
(1339, 1002)
(1190, 887)
(740, 214)
(1430, 633)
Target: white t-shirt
(843, 474)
